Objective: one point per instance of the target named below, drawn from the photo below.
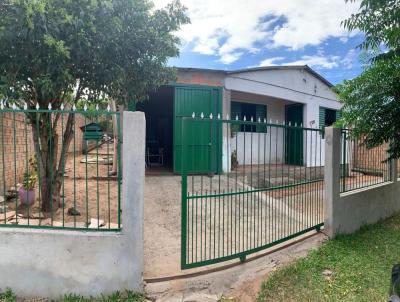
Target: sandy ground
(87, 188)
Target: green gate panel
(294, 135)
(203, 139)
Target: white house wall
(260, 143)
(290, 84)
(314, 149)
(293, 85)
(276, 88)
(259, 148)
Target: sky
(236, 34)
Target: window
(327, 117)
(249, 111)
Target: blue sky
(235, 34)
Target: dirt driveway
(162, 225)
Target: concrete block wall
(347, 212)
(51, 263)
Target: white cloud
(271, 61)
(350, 58)
(228, 58)
(226, 28)
(316, 61)
(327, 62)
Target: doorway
(158, 110)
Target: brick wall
(18, 147)
(369, 160)
(200, 77)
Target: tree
(372, 104)
(61, 51)
(380, 22)
(371, 101)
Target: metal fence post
(331, 176)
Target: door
(202, 137)
(294, 135)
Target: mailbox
(92, 132)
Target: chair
(154, 154)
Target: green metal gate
(258, 200)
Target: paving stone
(33, 222)
(47, 222)
(78, 225)
(112, 226)
(95, 223)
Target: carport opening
(159, 129)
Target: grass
(128, 296)
(8, 296)
(353, 267)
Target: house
(295, 95)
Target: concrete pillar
(332, 176)
(133, 147)
(394, 169)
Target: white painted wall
(270, 147)
(259, 148)
(51, 263)
(265, 146)
(290, 85)
(296, 85)
(277, 88)
(226, 147)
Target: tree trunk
(51, 164)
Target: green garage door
(203, 139)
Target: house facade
(295, 95)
